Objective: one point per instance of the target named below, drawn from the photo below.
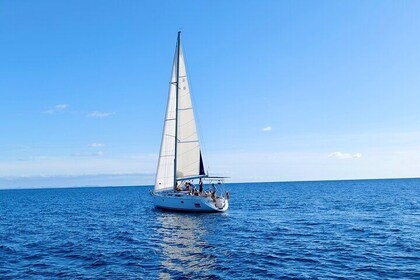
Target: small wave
(6, 249)
(99, 263)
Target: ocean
(361, 229)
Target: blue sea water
(365, 229)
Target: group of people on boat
(192, 189)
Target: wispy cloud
(341, 155)
(91, 180)
(57, 108)
(79, 163)
(96, 154)
(96, 145)
(267, 128)
(97, 114)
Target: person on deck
(201, 186)
(213, 196)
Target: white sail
(189, 163)
(165, 171)
(187, 148)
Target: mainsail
(185, 151)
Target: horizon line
(235, 183)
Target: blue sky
(284, 90)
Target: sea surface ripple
(364, 229)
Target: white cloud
(341, 155)
(97, 114)
(79, 164)
(57, 108)
(357, 155)
(244, 166)
(96, 145)
(267, 128)
(241, 166)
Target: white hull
(191, 203)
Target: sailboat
(180, 162)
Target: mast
(176, 103)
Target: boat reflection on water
(185, 252)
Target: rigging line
(197, 146)
(188, 123)
(192, 134)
